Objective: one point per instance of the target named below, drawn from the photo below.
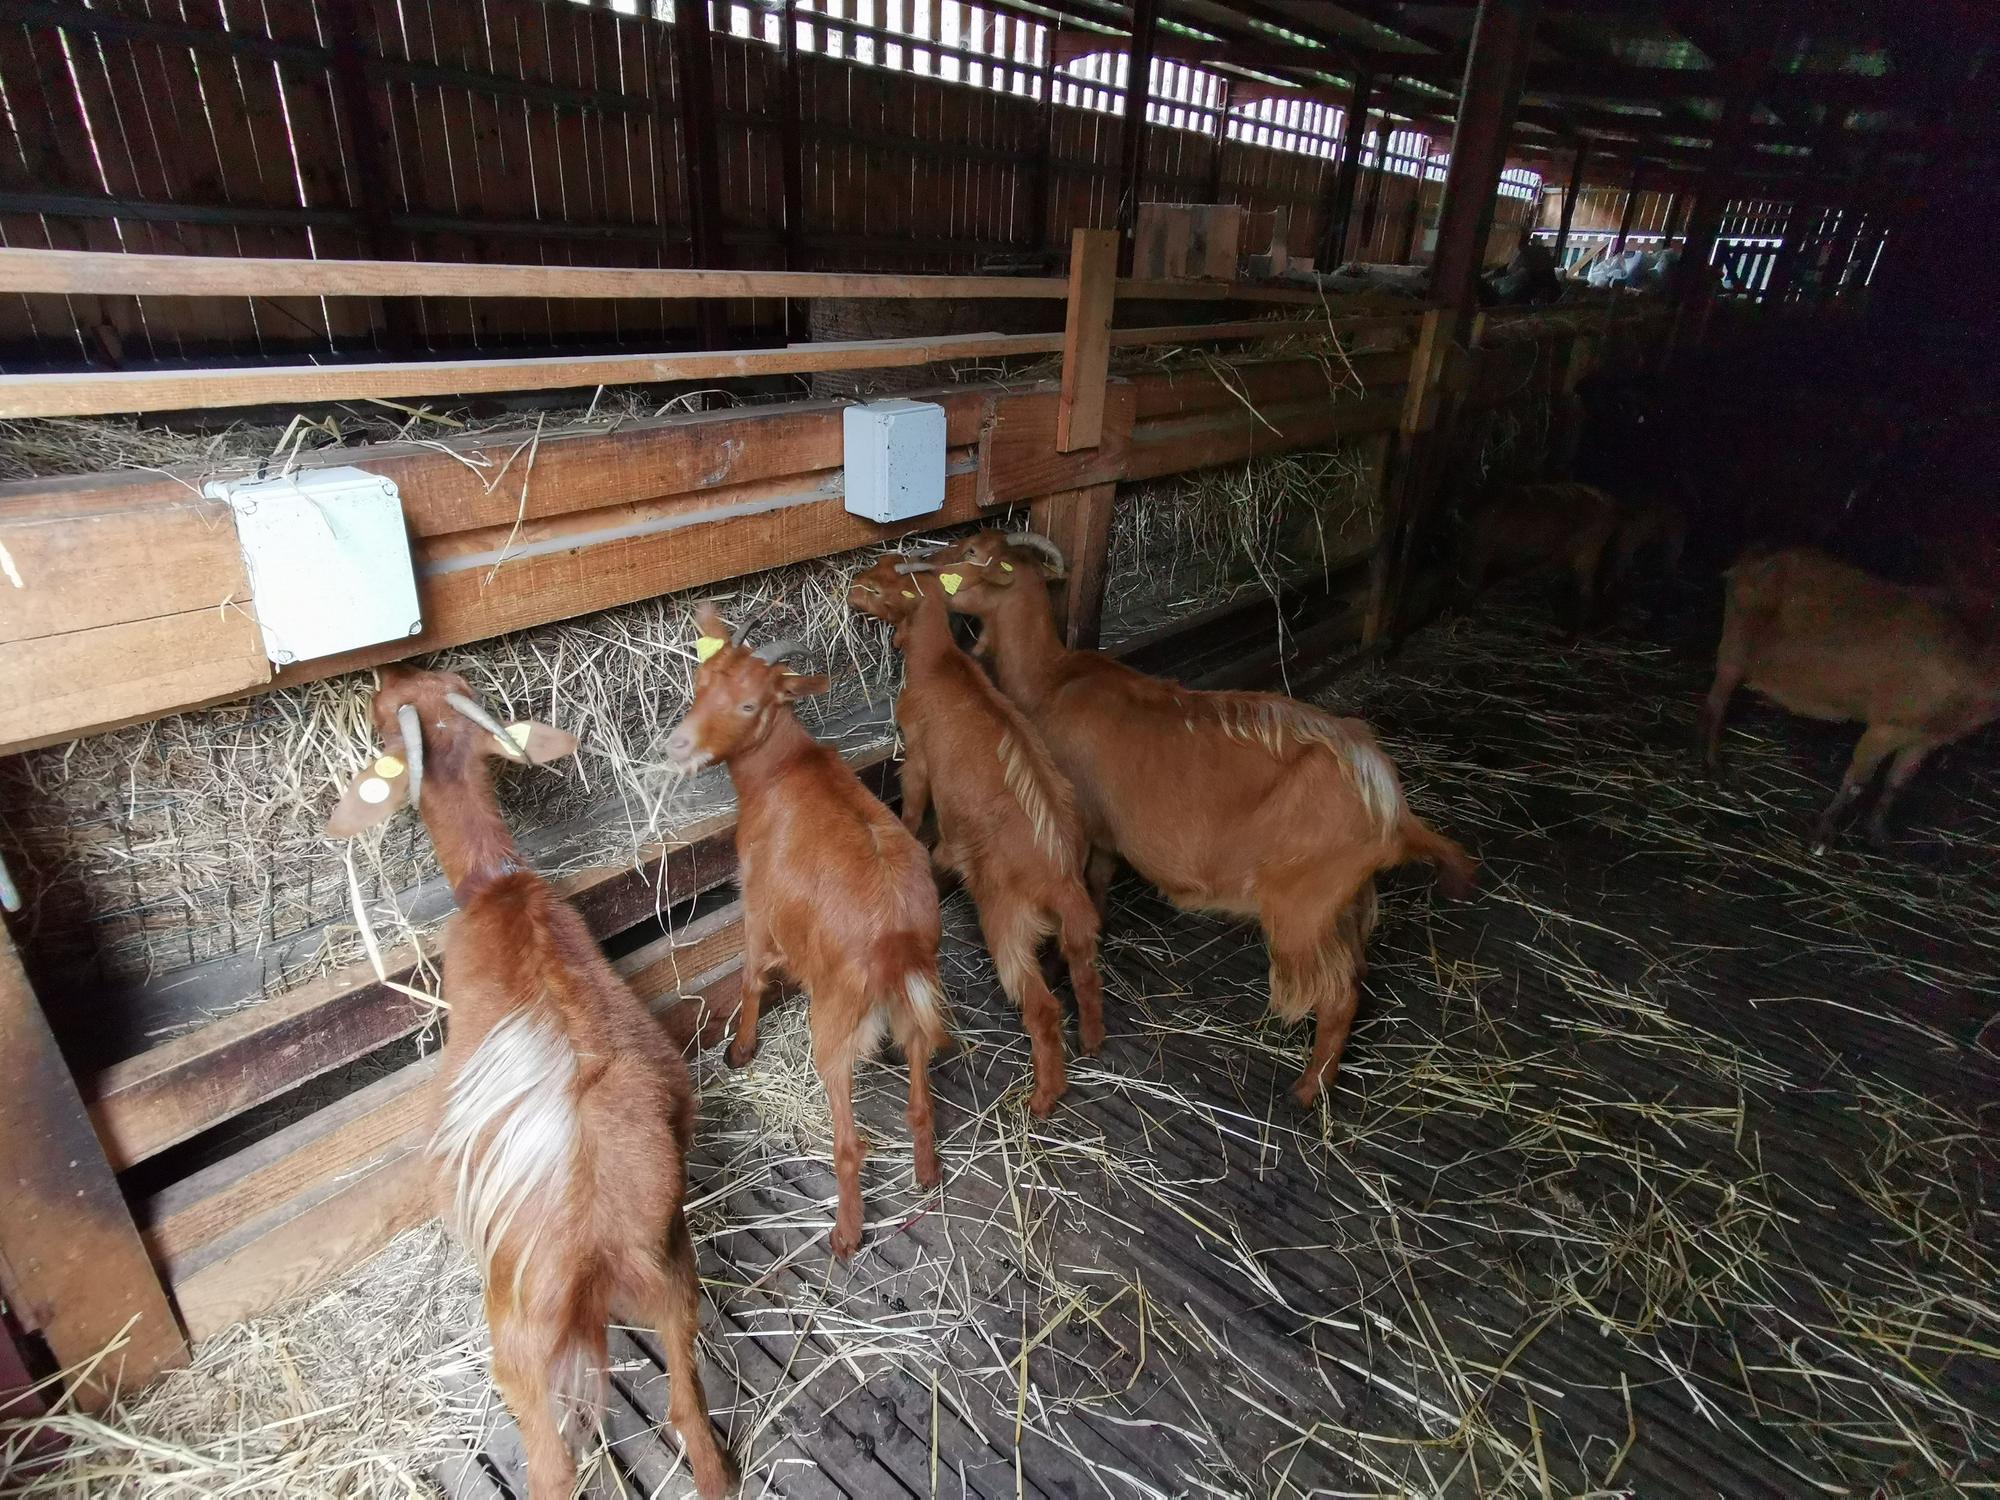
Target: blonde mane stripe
(1269, 721)
(508, 1136)
(1026, 781)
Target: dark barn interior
(1593, 398)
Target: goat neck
(924, 636)
(1027, 652)
(759, 765)
(473, 844)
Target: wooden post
(1501, 38)
(1631, 207)
(702, 167)
(1093, 287)
(71, 1262)
(1132, 134)
(1045, 149)
(1411, 219)
(1711, 196)
(1219, 138)
(792, 164)
(1371, 190)
(1338, 205)
(1388, 564)
(1569, 198)
(371, 180)
(1079, 522)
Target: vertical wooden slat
(71, 1261)
(1501, 39)
(1079, 522)
(1388, 566)
(1339, 206)
(1093, 287)
(694, 87)
(1576, 166)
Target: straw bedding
(1663, 1167)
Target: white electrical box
(328, 559)
(895, 458)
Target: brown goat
(1533, 528)
(563, 1114)
(1245, 803)
(1007, 820)
(1822, 639)
(835, 893)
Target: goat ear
(710, 625)
(539, 743)
(794, 687)
(378, 790)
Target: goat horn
(907, 568)
(477, 713)
(410, 722)
(774, 652)
(1035, 543)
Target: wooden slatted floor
(1665, 1165)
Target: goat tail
(905, 982)
(1458, 871)
(507, 1142)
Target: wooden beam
(1631, 208)
(791, 153)
(1491, 92)
(1389, 566)
(1079, 522)
(1576, 170)
(97, 393)
(1086, 341)
(1338, 205)
(364, 136)
(72, 1265)
(1712, 195)
(111, 273)
(1132, 127)
(694, 88)
(1372, 188)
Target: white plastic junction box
(894, 452)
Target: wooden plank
(202, 1208)
(1021, 457)
(1222, 437)
(117, 673)
(1086, 341)
(80, 555)
(72, 1265)
(304, 1244)
(1271, 380)
(100, 393)
(1079, 522)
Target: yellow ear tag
(707, 645)
(951, 581)
(389, 766)
(909, 593)
(519, 733)
(374, 789)
(1005, 566)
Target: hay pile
(1183, 543)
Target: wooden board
(1079, 522)
(67, 271)
(1022, 458)
(1086, 341)
(1221, 437)
(72, 1266)
(98, 394)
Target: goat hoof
(1090, 1039)
(1306, 1092)
(718, 1479)
(740, 1056)
(844, 1243)
(928, 1171)
(1043, 1104)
